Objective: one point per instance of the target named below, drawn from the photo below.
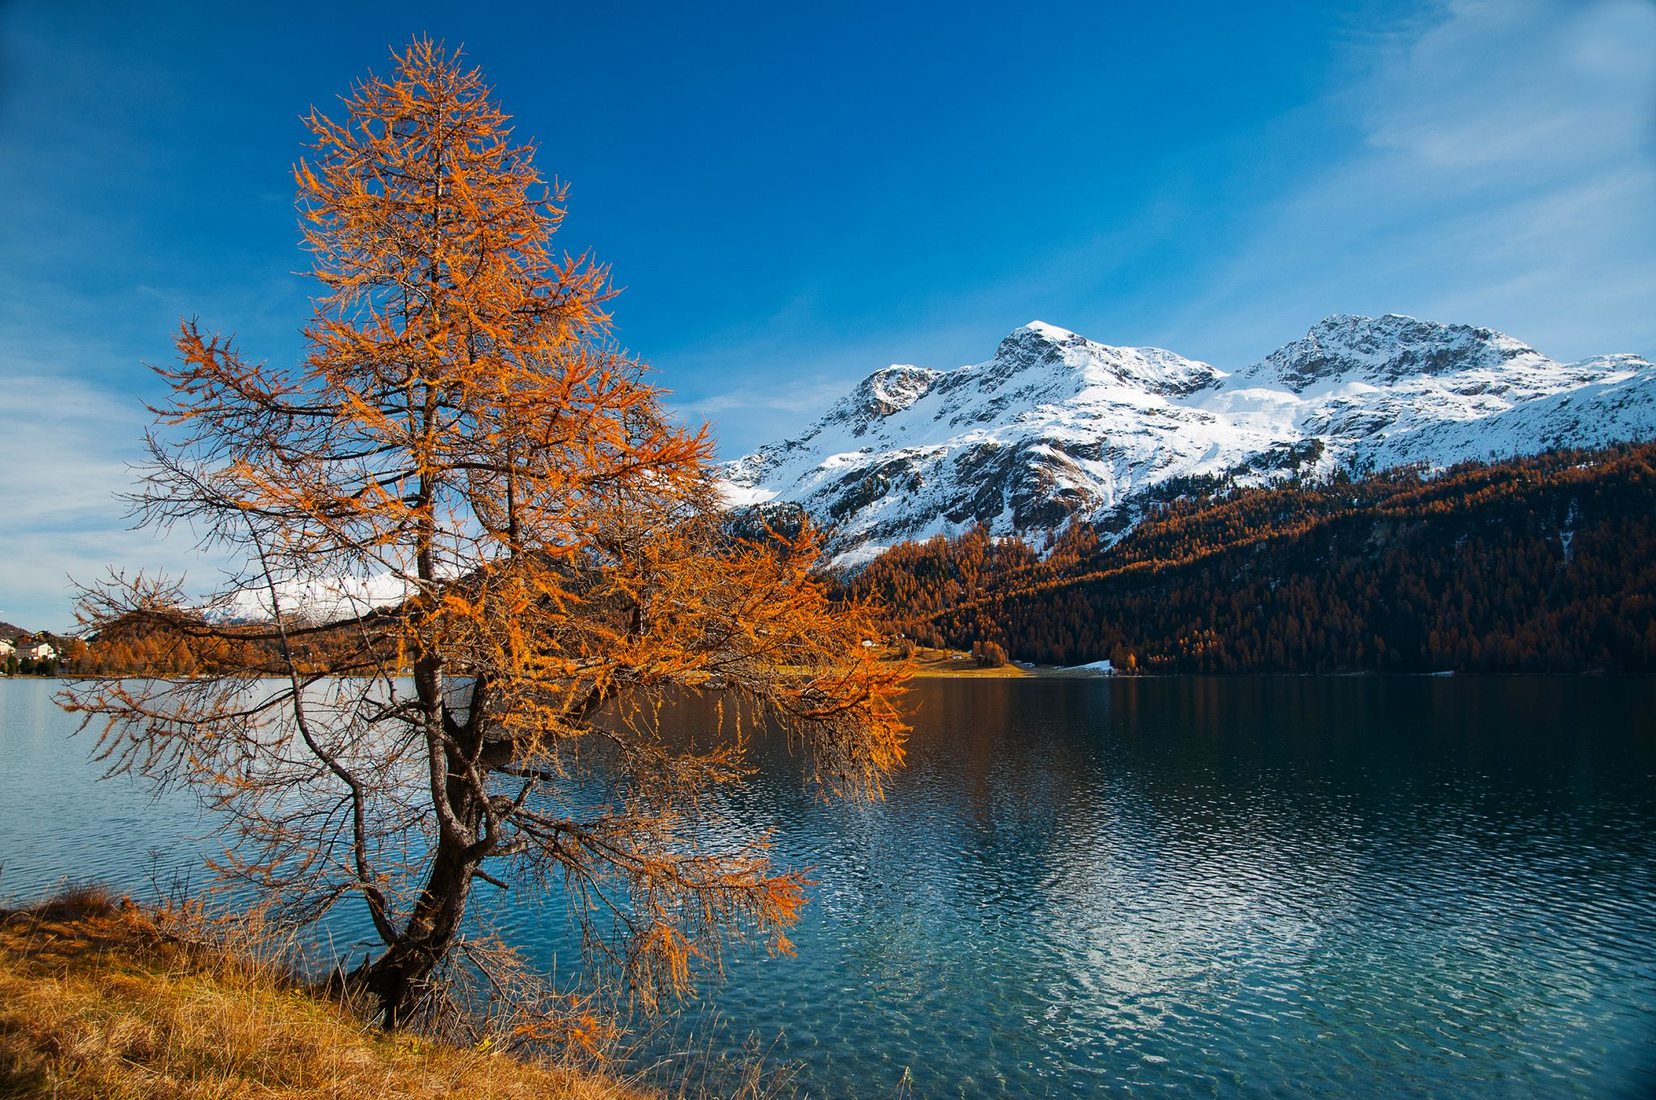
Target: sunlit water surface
(1274, 886)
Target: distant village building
(31, 651)
(37, 651)
(25, 647)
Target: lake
(1238, 887)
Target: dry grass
(100, 999)
(952, 662)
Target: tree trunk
(398, 979)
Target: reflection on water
(1242, 886)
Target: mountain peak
(1344, 322)
(1055, 426)
(1381, 350)
(1046, 355)
(1034, 343)
(1051, 333)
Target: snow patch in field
(1094, 668)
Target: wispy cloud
(1555, 87)
(1507, 176)
(809, 398)
(1498, 167)
(765, 380)
(67, 449)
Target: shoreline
(102, 997)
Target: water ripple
(1269, 887)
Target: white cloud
(770, 379)
(66, 450)
(1507, 176)
(1499, 169)
(1550, 87)
(807, 398)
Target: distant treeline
(1535, 564)
(174, 642)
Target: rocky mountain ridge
(1054, 426)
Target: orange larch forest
(547, 560)
(1536, 564)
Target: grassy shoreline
(99, 998)
(930, 663)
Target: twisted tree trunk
(399, 978)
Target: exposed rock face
(1054, 425)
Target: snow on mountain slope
(1054, 425)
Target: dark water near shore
(1274, 886)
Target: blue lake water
(1236, 887)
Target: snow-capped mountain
(1054, 425)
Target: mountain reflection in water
(1250, 886)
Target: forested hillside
(1545, 563)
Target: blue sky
(795, 195)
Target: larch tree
(477, 557)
